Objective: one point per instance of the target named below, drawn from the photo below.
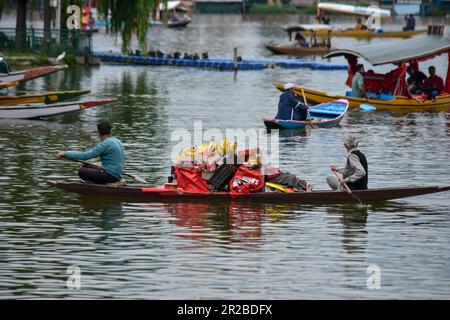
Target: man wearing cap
(289, 108)
(355, 173)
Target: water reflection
(234, 222)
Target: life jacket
(245, 181)
(362, 183)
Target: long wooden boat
(29, 74)
(295, 50)
(150, 194)
(365, 34)
(29, 111)
(364, 12)
(400, 103)
(313, 48)
(47, 97)
(405, 51)
(322, 116)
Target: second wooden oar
(349, 191)
(306, 104)
(135, 177)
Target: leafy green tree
(128, 17)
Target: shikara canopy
(349, 9)
(418, 48)
(171, 5)
(306, 27)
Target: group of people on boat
(418, 82)
(230, 171)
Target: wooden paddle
(309, 117)
(135, 177)
(349, 191)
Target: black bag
(222, 176)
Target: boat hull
(367, 34)
(44, 110)
(321, 123)
(29, 74)
(399, 103)
(292, 50)
(48, 97)
(146, 194)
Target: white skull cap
(351, 141)
(288, 86)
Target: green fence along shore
(52, 42)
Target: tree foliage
(129, 17)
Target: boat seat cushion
(373, 95)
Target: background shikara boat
(322, 116)
(314, 47)
(47, 97)
(177, 15)
(150, 194)
(405, 51)
(28, 74)
(29, 111)
(363, 12)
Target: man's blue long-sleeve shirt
(111, 153)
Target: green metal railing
(39, 41)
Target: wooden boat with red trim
(411, 51)
(170, 194)
(29, 74)
(47, 97)
(37, 110)
(323, 116)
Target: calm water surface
(216, 250)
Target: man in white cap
(289, 107)
(355, 173)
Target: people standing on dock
(433, 85)
(358, 90)
(289, 107)
(111, 153)
(355, 173)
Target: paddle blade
(135, 177)
(366, 108)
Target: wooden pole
(235, 59)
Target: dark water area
(218, 250)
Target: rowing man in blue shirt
(111, 153)
(289, 108)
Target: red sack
(190, 180)
(245, 181)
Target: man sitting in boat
(289, 107)
(301, 41)
(410, 23)
(415, 80)
(358, 90)
(355, 172)
(360, 25)
(111, 153)
(433, 85)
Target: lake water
(217, 250)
